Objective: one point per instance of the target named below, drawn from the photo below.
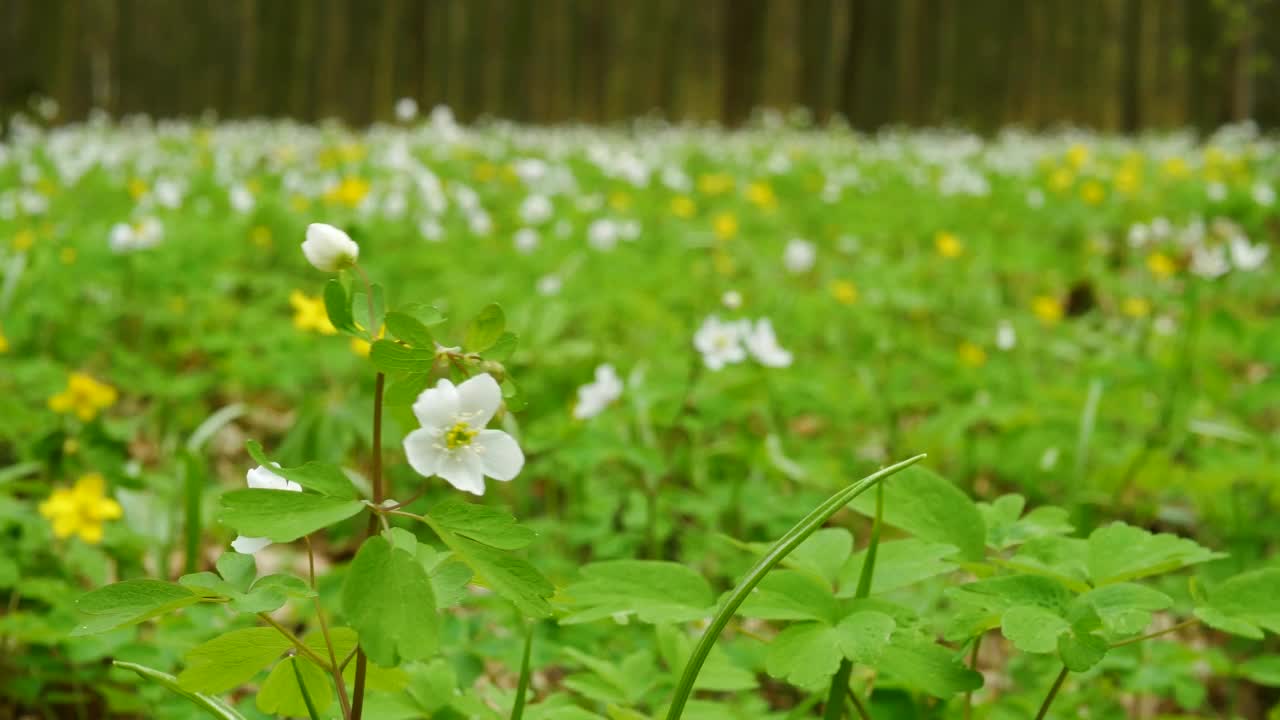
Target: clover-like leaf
(928, 506)
(482, 523)
(323, 478)
(281, 515)
(1120, 552)
(653, 591)
(231, 659)
(130, 602)
(387, 598)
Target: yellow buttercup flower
(1077, 155)
(972, 354)
(948, 245)
(137, 188)
(4, 344)
(723, 262)
(1128, 179)
(485, 171)
(1062, 179)
(725, 225)
(1161, 265)
(309, 313)
(1048, 309)
(350, 192)
(1136, 307)
(23, 240)
(300, 203)
(761, 195)
(682, 207)
(715, 183)
(1092, 192)
(620, 201)
(84, 396)
(845, 292)
(361, 347)
(261, 236)
(1176, 168)
(81, 509)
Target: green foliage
(388, 599)
(281, 515)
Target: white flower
(731, 299)
(526, 240)
(1035, 198)
(763, 345)
(1139, 235)
(1264, 194)
(720, 343)
(1209, 262)
(550, 285)
(799, 256)
(603, 234)
(1245, 255)
(260, 478)
(144, 234)
(241, 199)
(406, 109)
(594, 397)
(328, 248)
(430, 230)
(1006, 336)
(480, 223)
(1216, 191)
(453, 442)
(535, 209)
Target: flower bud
(328, 248)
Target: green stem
(834, 709)
(858, 706)
(302, 687)
(840, 682)
(343, 700)
(379, 493)
(1053, 693)
(1180, 626)
(301, 646)
(526, 671)
(973, 665)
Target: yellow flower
(23, 240)
(261, 236)
(4, 344)
(949, 246)
(81, 509)
(761, 195)
(137, 188)
(361, 347)
(1048, 309)
(683, 207)
(67, 255)
(1136, 307)
(1176, 168)
(972, 354)
(620, 201)
(1092, 192)
(715, 184)
(349, 192)
(845, 292)
(1128, 179)
(300, 203)
(723, 262)
(485, 171)
(1161, 265)
(725, 225)
(1077, 155)
(309, 313)
(1061, 179)
(84, 396)
(351, 152)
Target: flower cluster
(84, 396)
(599, 394)
(81, 509)
(726, 343)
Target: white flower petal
(478, 399)
(249, 545)
(262, 478)
(329, 249)
(463, 470)
(423, 449)
(500, 454)
(437, 407)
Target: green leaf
(210, 705)
(823, 554)
(404, 390)
(1032, 628)
(281, 515)
(485, 329)
(927, 667)
(231, 660)
(863, 635)
(1061, 558)
(281, 693)
(1120, 552)
(503, 348)
(270, 593)
(238, 570)
(1007, 527)
(1125, 608)
(805, 654)
(526, 671)
(323, 478)
(790, 595)
(1246, 600)
(360, 308)
(1263, 670)
(130, 602)
(483, 524)
(901, 563)
(390, 356)
(1081, 651)
(387, 598)
(410, 330)
(338, 307)
(928, 506)
(783, 547)
(651, 590)
(449, 576)
(509, 575)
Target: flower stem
(343, 700)
(1180, 626)
(973, 665)
(1053, 693)
(302, 647)
(834, 709)
(857, 705)
(379, 493)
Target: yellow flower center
(460, 435)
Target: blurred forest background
(1108, 64)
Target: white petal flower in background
(1209, 261)
(261, 478)
(144, 234)
(453, 442)
(1264, 194)
(1216, 191)
(430, 230)
(241, 199)
(406, 109)
(549, 285)
(763, 345)
(595, 396)
(603, 234)
(526, 240)
(799, 256)
(480, 222)
(719, 342)
(1006, 336)
(731, 299)
(535, 209)
(329, 249)
(1246, 255)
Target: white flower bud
(328, 248)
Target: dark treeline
(1112, 64)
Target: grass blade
(783, 547)
(211, 705)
